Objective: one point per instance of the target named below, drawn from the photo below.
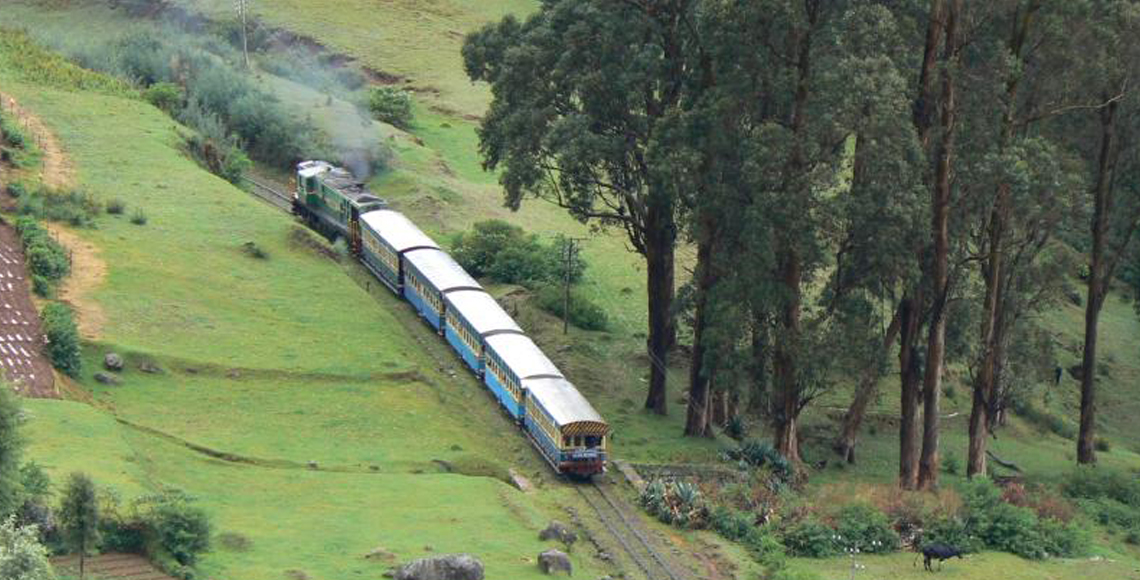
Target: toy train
(559, 421)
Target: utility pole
(569, 251)
(240, 6)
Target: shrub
(732, 524)
(752, 454)
(810, 538)
(391, 105)
(47, 260)
(180, 528)
(583, 313)
(951, 464)
(677, 503)
(165, 96)
(951, 531)
(505, 253)
(63, 338)
(116, 206)
(1099, 482)
(1015, 529)
(17, 189)
(22, 557)
(74, 207)
(253, 250)
(866, 529)
(1045, 420)
(138, 217)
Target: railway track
(629, 536)
(270, 195)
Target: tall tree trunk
(758, 398)
(910, 313)
(700, 371)
(992, 332)
(864, 393)
(660, 246)
(925, 103)
(787, 393)
(1097, 285)
(940, 262)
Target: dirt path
(111, 566)
(88, 270)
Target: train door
(354, 231)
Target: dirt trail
(88, 270)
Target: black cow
(938, 552)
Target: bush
(17, 189)
(677, 503)
(1099, 482)
(165, 96)
(866, 529)
(74, 207)
(951, 464)
(180, 528)
(1045, 420)
(138, 217)
(810, 538)
(1002, 526)
(253, 250)
(391, 105)
(951, 531)
(505, 253)
(752, 454)
(116, 206)
(583, 313)
(63, 338)
(47, 259)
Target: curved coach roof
(440, 270)
(482, 312)
(519, 353)
(397, 230)
(563, 401)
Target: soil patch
(22, 360)
(87, 272)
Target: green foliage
(1045, 420)
(583, 313)
(17, 189)
(11, 451)
(164, 95)
(863, 528)
(677, 503)
(63, 338)
(22, 556)
(73, 207)
(178, 527)
(21, 150)
(213, 145)
(138, 217)
(47, 260)
(951, 464)
(506, 253)
(34, 64)
(1110, 497)
(951, 531)
(753, 453)
(116, 206)
(810, 538)
(1003, 526)
(391, 105)
(79, 514)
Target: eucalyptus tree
(579, 92)
(1110, 105)
(1018, 185)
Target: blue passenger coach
(511, 359)
(428, 275)
(569, 433)
(472, 317)
(387, 236)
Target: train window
(565, 441)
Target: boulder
(107, 378)
(113, 362)
(554, 561)
(447, 567)
(558, 531)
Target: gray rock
(558, 531)
(113, 362)
(107, 379)
(554, 561)
(447, 567)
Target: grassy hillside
(276, 363)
